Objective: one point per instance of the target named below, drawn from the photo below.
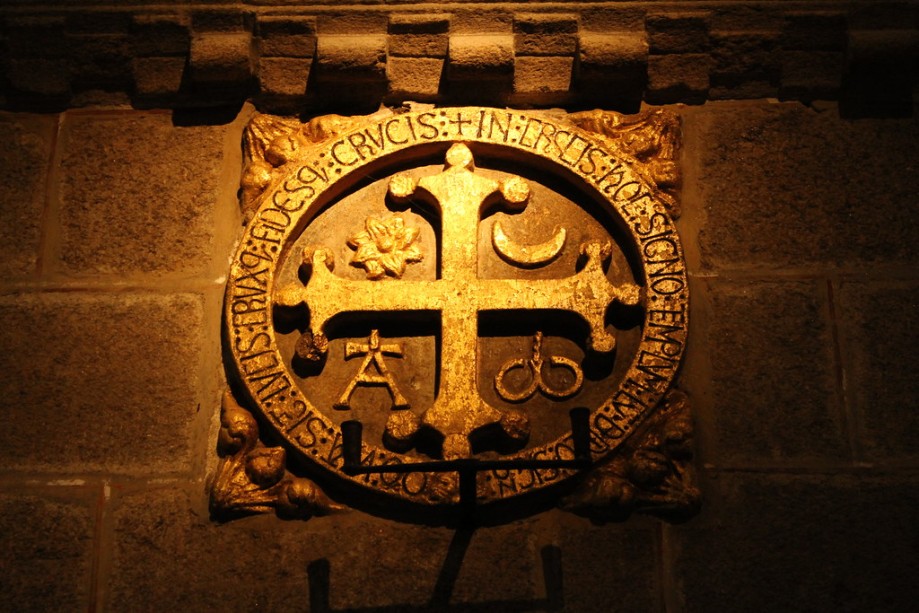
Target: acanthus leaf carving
(653, 475)
(253, 478)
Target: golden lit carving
(527, 256)
(536, 380)
(596, 266)
(458, 195)
(374, 350)
(253, 478)
(384, 247)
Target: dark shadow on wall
(319, 572)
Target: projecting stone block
(797, 542)
(773, 386)
(158, 537)
(160, 35)
(419, 35)
(158, 77)
(221, 59)
(543, 75)
(137, 194)
(287, 36)
(25, 158)
(678, 78)
(45, 551)
(99, 382)
(613, 68)
(546, 34)
(348, 58)
(745, 64)
(101, 62)
(678, 32)
(805, 202)
(881, 364)
(415, 77)
(481, 57)
(284, 76)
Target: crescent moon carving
(527, 256)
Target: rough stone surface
(221, 59)
(811, 75)
(773, 384)
(137, 194)
(100, 382)
(545, 34)
(815, 30)
(878, 326)
(160, 35)
(285, 36)
(24, 158)
(478, 57)
(168, 557)
(345, 57)
(419, 35)
(45, 552)
(415, 76)
(678, 32)
(786, 186)
(158, 76)
(543, 74)
(284, 76)
(674, 78)
(609, 568)
(801, 543)
(42, 77)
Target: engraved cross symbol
(459, 196)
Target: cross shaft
(459, 195)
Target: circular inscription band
(311, 182)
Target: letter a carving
(374, 352)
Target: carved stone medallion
(443, 301)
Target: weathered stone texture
(168, 557)
(137, 194)
(543, 74)
(416, 78)
(45, 552)
(221, 59)
(419, 35)
(678, 32)
(98, 381)
(609, 568)
(24, 158)
(786, 186)
(801, 543)
(481, 57)
(773, 386)
(546, 34)
(878, 326)
(286, 36)
(347, 57)
(284, 76)
(678, 77)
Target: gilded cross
(459, 196)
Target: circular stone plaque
(457, 281)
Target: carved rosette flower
(385, 247)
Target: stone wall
(801, 234)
